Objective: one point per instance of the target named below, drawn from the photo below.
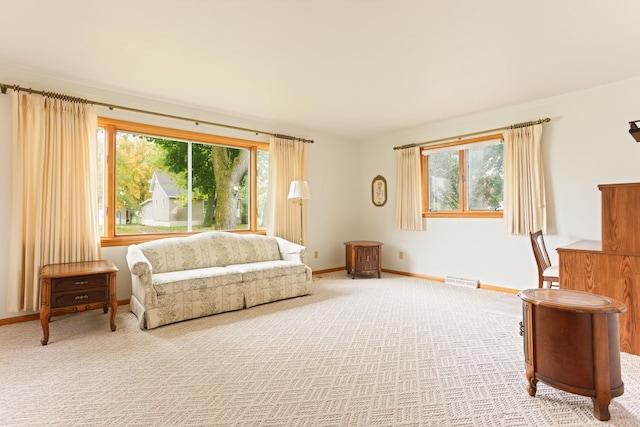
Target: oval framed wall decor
(379, 191)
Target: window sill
(464, 214)
(134, 239)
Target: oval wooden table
(572, 343)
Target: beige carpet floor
(395, 351)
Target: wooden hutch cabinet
(363, 257)
(611, 266)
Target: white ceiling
(350, 68)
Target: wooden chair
(547, 273)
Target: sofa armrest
(138, 264)
(291, 251)
(141, 278)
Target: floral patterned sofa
(180, 278)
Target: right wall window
(464, 178)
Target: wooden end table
(363, 257)
(75, 287)
(572, 343)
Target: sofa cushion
(268, 269)
(209, 249)
(174, 282)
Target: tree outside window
(171, 181)
(464, 179)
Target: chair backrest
(540, 251)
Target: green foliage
(486, 177)
(203, 183)
(214, 168)
(136, 161)
(219, 177)
(444, 181)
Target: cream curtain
(53, 192)
(287, 162)
(525, 208)
(409, 193)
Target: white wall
(332, 171)
(586, 143)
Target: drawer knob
(79, 297)
(82, 282)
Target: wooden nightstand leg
(114, 309)
(113, 300)
(45, 316)
(45, 309)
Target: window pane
(219, 188)
(147, 192)
(231, 175)
(157, 191)
(101, 185)
(176, 185)
(444, 182)
(485, 177)
(202, 194)
(263, 188)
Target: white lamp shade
(299, 190)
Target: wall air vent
(459, 281)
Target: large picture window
(159, 180)
(464, 178)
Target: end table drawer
(79, 283)
(86, 296)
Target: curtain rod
(4, 87)
(515, 126)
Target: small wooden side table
(363, 257)
(75, 287)
(572, 343)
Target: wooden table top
(78, 269)
(363, 243)
(570, 300)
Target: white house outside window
(164, 180)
